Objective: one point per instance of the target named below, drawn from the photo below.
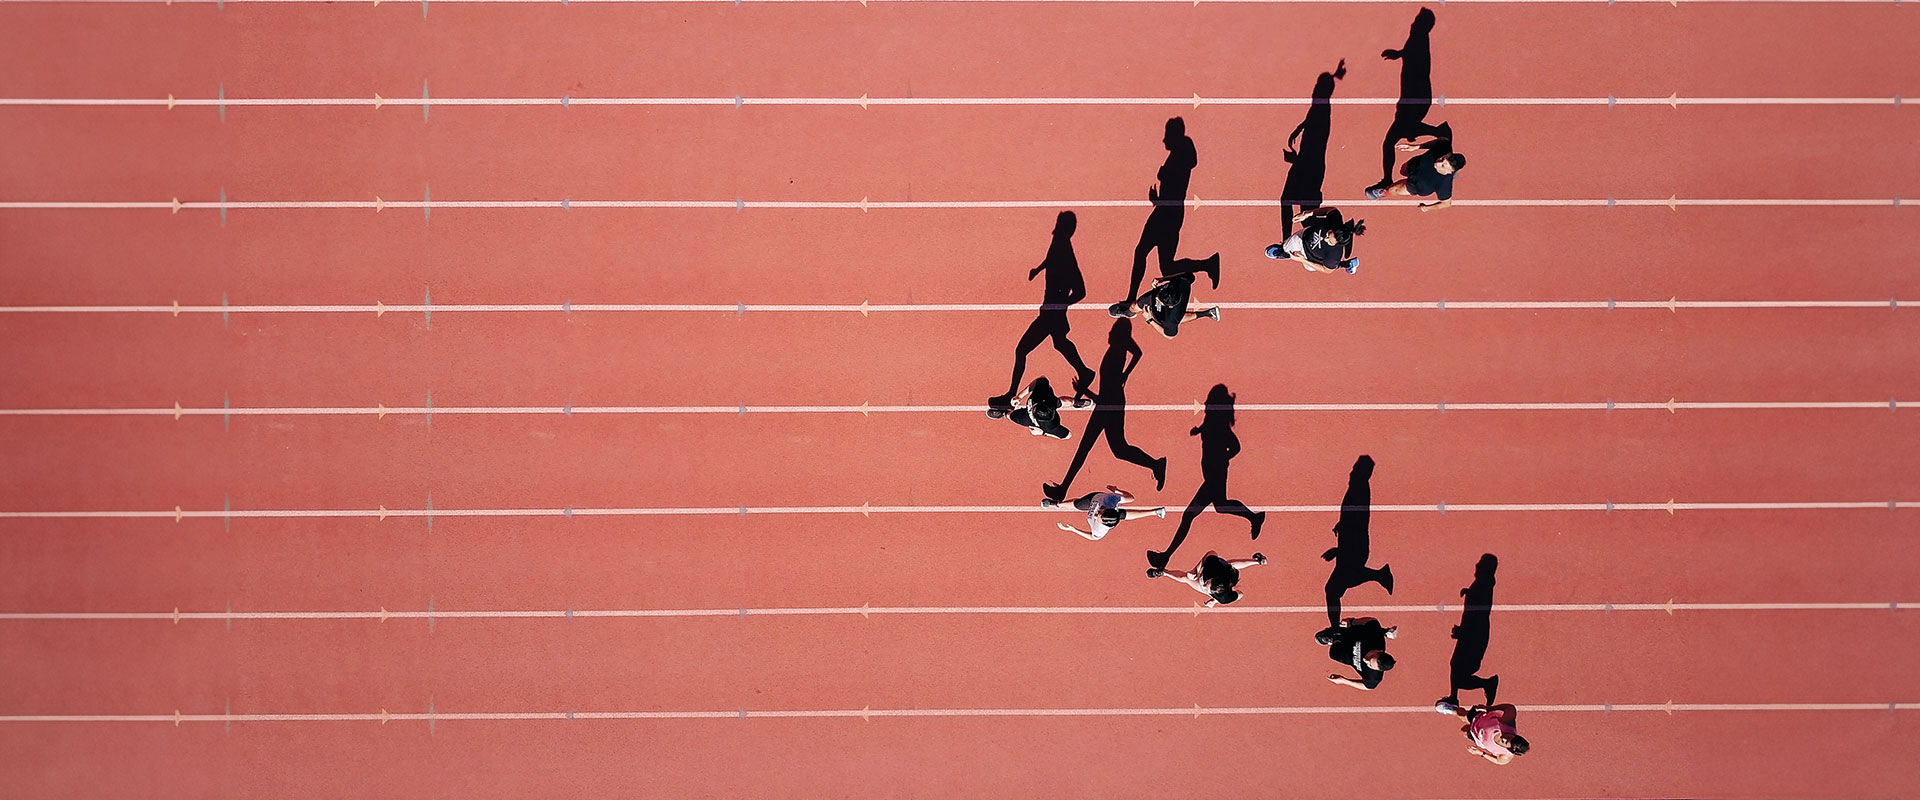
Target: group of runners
(1323, 242)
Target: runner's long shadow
(1162, 231)
(1471, 635)
(1416, 93)
(1065, 285)
(1109, 413)
(1218, 446)
(1307, 175)
(1353, 544)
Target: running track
(615, 376)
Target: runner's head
(1341, 235)
(1516, 744)
(1451, 164)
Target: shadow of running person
(1065, 286)
(1218, 446)
(1308, 171)
(1351, 549)
(1416, 95)
(1470, 636)
(1162, 231)
(1109, 413)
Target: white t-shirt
(1106, 501)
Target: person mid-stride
(1359, 643)
(1490, 729)
(1165, 305)
(1215, 577)
(1429, 174)
(1037, 409)
(1324, 243)
(1104, 512)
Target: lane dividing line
(381, 309)
(381, 411)
(179, 513)
(866, 204)
(425, 101)
(869, 713)
(868, 611)
(376, 3)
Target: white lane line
(383, 411)
(868, 713)
(868, 204)
(1193, 101)
(384, 614)
(1673, 304)
(1078, 2)
(178, 513)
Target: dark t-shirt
(1167, 303)
(1352, 643)
(1423, 179)
(1042, 411)
(1313, 240)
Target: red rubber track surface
(902, 597)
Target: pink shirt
(1482, 730)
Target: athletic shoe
(1353, 265)
(1376, 192)
(1048, 502)
(1259, 559)
(1213, 313)
(1212, 269)
(1446, 707)
(1275, 251)
(1120, 310)
(998, 407)
(1155, 572)
(1158, 559)
(1160, 512)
